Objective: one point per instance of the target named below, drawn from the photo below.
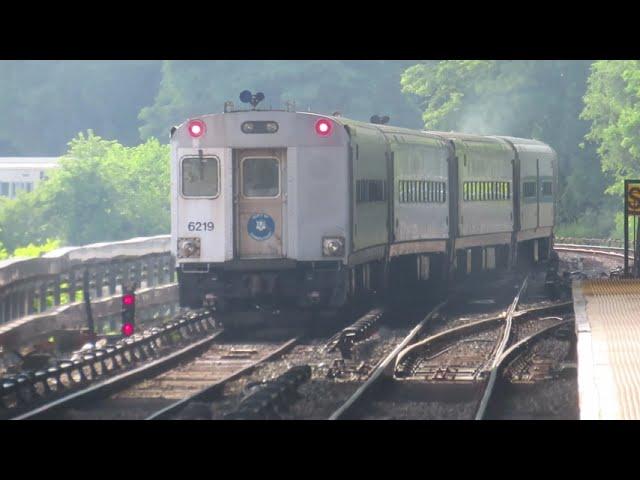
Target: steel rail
(591, 250)
(507, 355)
(202, 394)
(488, 390)
(479, 323)
(383, 365)
(123, 355)
(113, 384)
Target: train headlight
(188, 248)
(333, 246)
(271, 127)
(259, 127)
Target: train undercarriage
(298, 290)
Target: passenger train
(276, 208)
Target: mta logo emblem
(261, 226)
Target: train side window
(377, 191)
(260, 177)
(547, 188)
(200, 176)
(529, 189)
(4, 189)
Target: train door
(259, 192)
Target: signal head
(127, 329)
(129, 299)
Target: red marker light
(128, 299)
(324, 127)
(196, 128)
(127, 329)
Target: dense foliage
(612, 104)
(102, 191)
(113, 189)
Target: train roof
(491, 141)
(528, 145)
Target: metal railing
(39, 286)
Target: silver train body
(306, 210)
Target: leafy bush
(32, 250)
(592, 224)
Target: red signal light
(128, 299)
(324, 127)
(127, 329)
(196, 128)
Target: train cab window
(200, 176)
(260, 177)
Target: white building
(23, 173)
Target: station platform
(608, 330)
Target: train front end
(260, 211)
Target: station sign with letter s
(632, 197)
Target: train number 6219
(200, 226)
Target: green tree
(358, 89)
(102, 191)
(612, 104)
(22, 221)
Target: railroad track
(466, 359)
(531, 360)
(615, 252)
(95, 370)
(163, 390)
